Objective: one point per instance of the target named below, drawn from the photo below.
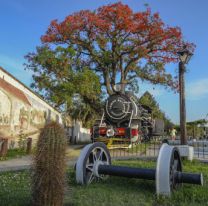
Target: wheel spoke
(89, 167)
(100, 155)
(91, 178)
(94, 157)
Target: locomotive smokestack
(119, 88)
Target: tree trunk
(122, 81)
(107, 82)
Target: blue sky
(22, 22)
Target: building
(22, 111)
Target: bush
(22, 141)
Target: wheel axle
(148, 174)
(129, 172)
(95, 163)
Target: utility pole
(184, 56)
(182, 103)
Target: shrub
(22, 141)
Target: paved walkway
(16, 164)
(23, 163)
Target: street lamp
(184, 56)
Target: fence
(3, 147)
(151, 148)
(143, 149)
(200, 147)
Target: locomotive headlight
(117, 87)
(110, 132)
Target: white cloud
(197, 90)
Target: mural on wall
(38, 117)
(5, 114)
(22, 112)
(21, 115)
(5, 109)
(24, 118)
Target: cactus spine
(48, 180)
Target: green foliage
(22, 141)
(148, 100)
(195, 128)
(15, 188)
(61, 78)
(13, 153)
(48, 180)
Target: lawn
(15, 189)
(13, 153)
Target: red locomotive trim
(134, 132)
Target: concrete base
(186, 151)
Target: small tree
(48, 179)
(148, 100)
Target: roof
(14, 91)
(27, 88)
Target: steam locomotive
(124, 117)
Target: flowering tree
(118, 43)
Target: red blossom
(132, 35)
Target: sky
(22, 22)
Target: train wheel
(90, 158)
(168, 163)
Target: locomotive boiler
(123, 117)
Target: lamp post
(184, 56)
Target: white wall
(35, 100)
(78, 134)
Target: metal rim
(168, 163)
(90, 158)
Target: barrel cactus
(48, 180)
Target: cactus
(48, 179)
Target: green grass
(124, 191)
(143, 148)
(115, 191)
(15, 188)
(13, 153)
(139, 148)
